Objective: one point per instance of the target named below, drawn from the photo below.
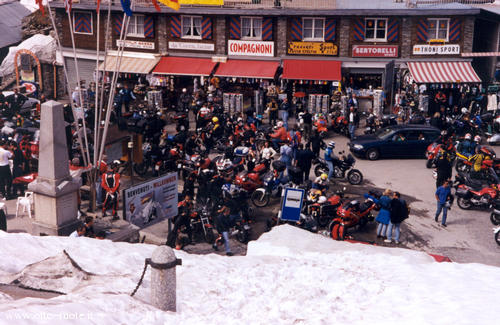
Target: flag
(174, 4)
(67, 5)
(126, 7)
(40, 6)
(98, 5)
(157, 6)
(202, 2)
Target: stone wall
(468, 34)
(161, 22)
(220, 35)
(406, 37)
(281, 32)
(344, 34)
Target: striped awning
(480, 54)
(443, 72)
(130, 64)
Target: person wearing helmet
(280, 135)
(110, 182)
(329, 158)
(184, 100)
(321, 183)
(466, 147)
(478, 170)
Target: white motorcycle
(496, 231)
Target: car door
(396, 146)
(416, 144)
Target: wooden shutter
(175, 26)
(330, 29)
(234, 27)
(422, 30)
(118, 24)
(296, 29)
(392, 30)
(206, 28)
(455, 29)
(149, 27)
(359, 29)
(267, 29)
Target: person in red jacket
(280, 135)
(110, 182)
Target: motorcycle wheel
(464, 203)
(497, 238)
(337, 172)
(243, 236)
(210, 235)
(355, 177)
(141, 169)
(495, 218)
(319, 169)
(337, 230)
(429, 163)
(461, 167)
(260, 199)
(323, 220)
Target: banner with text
(426, 49)
(375, 51)
(312, 48)
(151, 200)
(251, 48)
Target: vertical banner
(151, 201)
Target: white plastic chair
(3, 206)
(26, 202)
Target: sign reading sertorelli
(375, 51)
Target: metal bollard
(163, 278)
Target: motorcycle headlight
(358, 146)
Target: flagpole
(68, 87)
(86, 157)
(96, 106)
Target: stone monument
(55, 191)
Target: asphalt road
(468, 237)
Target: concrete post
(163, 278)
(54, 189)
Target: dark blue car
(395, 141)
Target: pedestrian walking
(5, 174)
(384, 215)
(399, 212)
(444, 199)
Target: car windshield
(384, 133)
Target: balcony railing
(246, 4)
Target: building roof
(11, 15)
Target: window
(191, 27)
(437, 29)
(313, 29)
(82, 22)
(251, 28)
(136, 26)
(376, 29)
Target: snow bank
(43, 46)
(31, 4)
(289, 276)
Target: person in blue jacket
(384, 215)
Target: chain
(142, 277)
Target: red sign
(375, 51)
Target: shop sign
(191, 46)
(136, 44)
(312, 48)
(253, 48)
(375, 51)
(426, 49)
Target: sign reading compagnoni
(250, 48)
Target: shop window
(376, 29)
(251, 28)
(438, 29)
(136, 26)
(82, 22)
(313, 29)
(191, 27)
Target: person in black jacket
(316, 143)
(399, 212)
(303, 159)
(443, 167)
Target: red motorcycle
(469, 197)
(350, 215)
(250, 181)
(323, 209)
(432, 153)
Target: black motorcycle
(342, 168)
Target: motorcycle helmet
(468, 136)
(444, 133)
(331, 144)
(184, 90)
(115, 164)
(324, 176)
(322, 199)
(465, 110)
(215, 119)
(477, 139)
(279, 124)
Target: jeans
(397, 227)
(381, 230)
(352, 128)
(285, 120)
(330, 168)
(442, 207)
(225, 235)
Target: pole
(68, 87)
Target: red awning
(312, 70)
(443, 72)
(247, 69)
(181, 66)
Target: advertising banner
(252, 48)
(426, 49)
(191, 46)
(152, 200)
(136, 44)
(375, 51)
(312, 48)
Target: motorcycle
(495, 214)
(202, 225)
(496, 231)
(350, 215)
(482, 198)
(321, 208)
(250, 181)
(273, 187)
(341, 166)
(321, 125)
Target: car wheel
(372, 154)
